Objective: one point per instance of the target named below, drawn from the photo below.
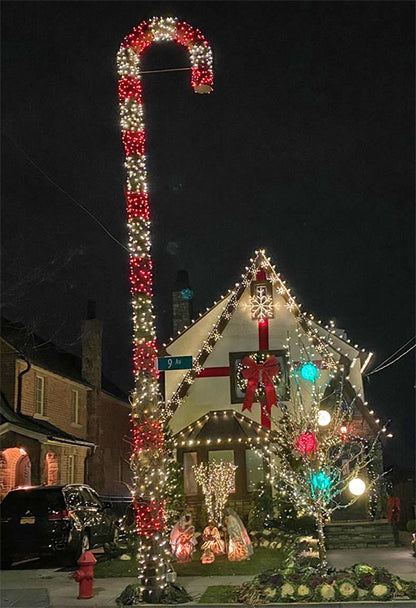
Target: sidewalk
(51, 588)
(399, 560)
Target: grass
(261, 560)
(218, 594)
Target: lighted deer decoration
(148, 457)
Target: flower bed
(360, 582)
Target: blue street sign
(165, 364)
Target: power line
(164, 70)
(79, 204)
(395, 353)
(379, 369)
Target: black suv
(54, 520)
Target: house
(61, 422)
(208, 419)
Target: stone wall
(359, 534)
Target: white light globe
(324, 418)
(356, 486)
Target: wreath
(259, 358)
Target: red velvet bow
(259, 373)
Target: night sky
(305, 148)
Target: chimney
(91, 340)
(182, 296)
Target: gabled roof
(329, 343)
(20, 422)
(47, 355)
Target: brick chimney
(91, 340)
(182, 296)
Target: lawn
(261, 560)
(218, 594)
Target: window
(282, 384)
(189, 481)
(75, 406)
(73, 497)
(40, 395)
(225, 455)
(71, 468)
(91, 498)
(261, 300)
(254, 469)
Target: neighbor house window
(254, 469)
(75, 406)
(71, 468)
(189, 481)
(40, 395)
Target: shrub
(325, 593)
(411, 590)
(381, 591)
(288, 592)
(128, 596)
(304, 592)
(175, 594)
(347, 590)
(250, 594)
(112, 550)
(411, 526)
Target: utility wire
(395, 353)
(379, 369)
(87, 211)
(164, 70)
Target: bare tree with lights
(316, 458)
(217, 481)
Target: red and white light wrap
(157, 29)
(149, 454)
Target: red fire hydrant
(85, 575)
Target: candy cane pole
(148, 459)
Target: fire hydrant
(85, 575)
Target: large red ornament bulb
(306, 443)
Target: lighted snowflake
(261, 304)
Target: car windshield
(74, 497)
(37, 502)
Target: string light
(149, 456)
(306, 458)
(217, 480)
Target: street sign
(165, 364)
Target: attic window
(261, 301)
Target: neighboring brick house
(208, 422)
(60, 421)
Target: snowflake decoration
(261, 304)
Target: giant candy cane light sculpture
(149, 455)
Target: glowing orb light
(356, 486)
(309, 372)
(324, 418)
(306, 443)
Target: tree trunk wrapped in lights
(148, 460)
